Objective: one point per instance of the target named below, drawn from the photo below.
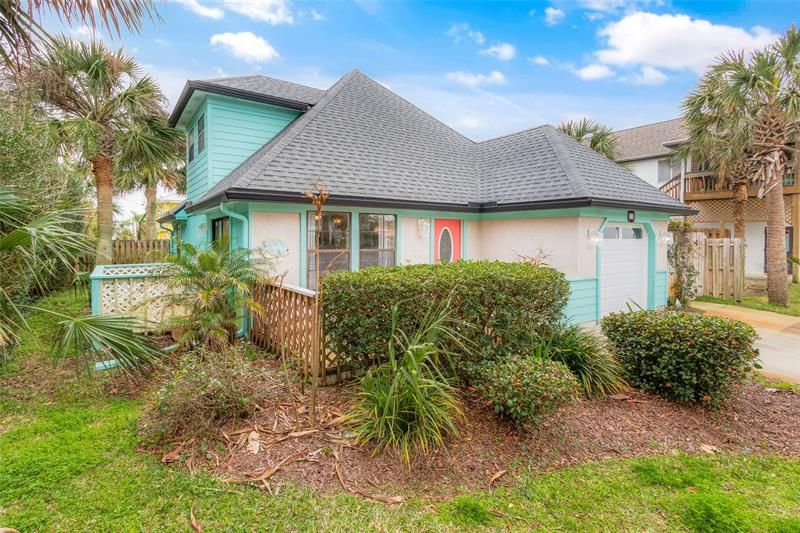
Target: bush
(524, 389)
(682, 356)
(205, 390)
(597, 370)
(408, 402)
(495, 306)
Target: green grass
(72, 465)
(760, 302)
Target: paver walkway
(780, 337)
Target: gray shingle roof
(271, 87)
(647, 141)
(363, 141)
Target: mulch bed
(277, 446)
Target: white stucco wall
(414, 247)
(284, 227)
(473, 240)
(661, 248)
(562, 241)
(647, 169)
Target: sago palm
(98, 100)
(152, 156)
(21, 32)
(596, 136)
(762, 92)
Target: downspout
(246, 241)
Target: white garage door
(623, 268)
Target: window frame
(384, 234)
(190, 146)
(201, 134)
(226, 228)
(343, 256)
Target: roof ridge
(272, 148)
(648, 125)
(512, 133)
(555, 138)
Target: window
(621, 232)
(611, 232)
(445, 246)
(190, 145)
(631, 233)
(376, 240)
(201, 134)
(220, 228)
(664, 170)
(334, 244)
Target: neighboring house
(406, 188)
(647, 151)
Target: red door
(447, 240)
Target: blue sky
(484, 68)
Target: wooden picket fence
(131, 251)
(723, 268)
(286, 328)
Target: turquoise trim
(244, 238)
(430, 241)
(661, 288)
(582, 302)
(95, 292)
(598, 311)
(651, 265)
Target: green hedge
(503, 303)
(682, 356)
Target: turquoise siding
(237, 128)
(661, 288)
(582, 303)
(234, 130)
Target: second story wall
(234, 130)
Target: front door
(447, 240)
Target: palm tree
(20, 31)
(32, 246)
(596, 136)
(153, 156)
(99, 101)
(758, 98)
(720, 137)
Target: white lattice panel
(141, 297)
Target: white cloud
(502, 51)
(676, 42)
(539, 60)
(649, 76)
(270, 11)
(460, 31)
(85, 33)
(199, 9)
(595, 71)
(316, 15)
(470, 79)
(246, 46)
(553, 15)
(162, 42)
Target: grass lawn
(760, 302)
(70, 463)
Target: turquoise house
(406, 188)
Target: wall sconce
(631, 216)
(423, 227)
(337, 220)
(595, 237)
(667, 238)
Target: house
(406, 188)
(648, 152)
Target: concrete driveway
(780, 337)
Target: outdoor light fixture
(337, 220)
(667, 238)
(631, 216)
(595, 237)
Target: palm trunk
(777, 291)
(103, 169)
(739, 199)
(150, 227)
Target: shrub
(524, 389)
(597, 370)
(495, 306)
(204, 391)
(682, 356)
(408, 403)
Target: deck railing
(708, 181)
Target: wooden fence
(286, 328)
(722, 268)
(131, 251)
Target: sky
(484, 68)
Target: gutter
(246, 237)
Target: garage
(623, 268)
